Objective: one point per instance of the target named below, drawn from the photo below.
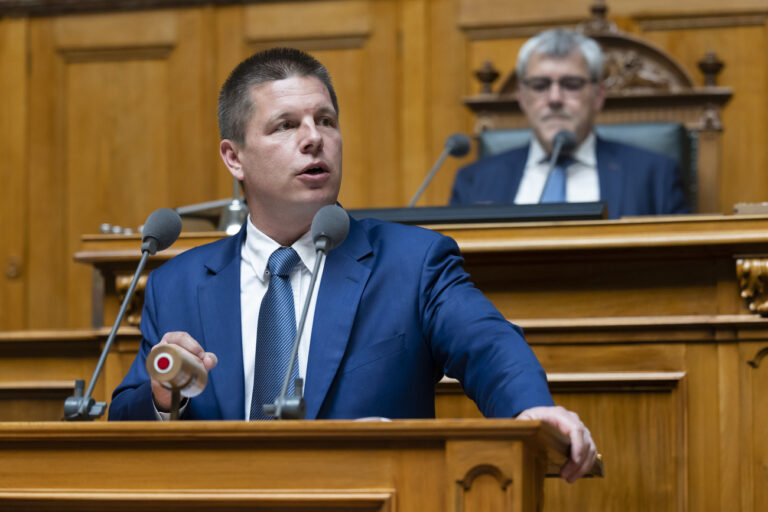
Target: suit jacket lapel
(219, 302)
(343, 281)
(609, 175)
(515, 166)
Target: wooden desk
(419, 466)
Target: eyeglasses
(570, 83)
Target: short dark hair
(235, 105)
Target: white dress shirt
(254, 282)
(582, 183)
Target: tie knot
(282, 261)
(565, 161)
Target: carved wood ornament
(133, 311)
(752, 274)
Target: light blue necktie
(554, 188)
(275, 333)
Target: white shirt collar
(258, 247)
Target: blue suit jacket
(633, 181)
(395, 311)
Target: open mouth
(313, 171)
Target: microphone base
(81, 408)
(288, 408)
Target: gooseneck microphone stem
(162, 228)
(329, 229)
(293, 408)
(429, 177)
(84, 407)
(456, 145)
(557, 148)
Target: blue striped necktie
(274, 333)
(554, 188)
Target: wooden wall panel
(13, 158)
(754, 426)
(122, 107)
(745, 118)
(638, 433)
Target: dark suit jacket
(633, 181)
(395, 311)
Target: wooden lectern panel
(404, 465)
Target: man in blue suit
(393, 311)
(559, 76)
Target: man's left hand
(583, 449)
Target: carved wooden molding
(752, 275)
(56, 7)
(235, 499)
(755, 362)
(133, 311)
(699, 21)
(79, 55)
(595, 382)
(465, 483)
(42, 388)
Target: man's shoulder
(376, 229)
(392, 238)
(214, 254)
(634, 154)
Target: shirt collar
(258, 247)
(584, 154)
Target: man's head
(559, 75)
(278, 118)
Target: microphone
(563, 143)
(161, 229)
(330, 227)
(457, 145)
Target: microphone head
(162, 228)
(329, 227)
(566, 141)
(458, 145)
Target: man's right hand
(162, 395)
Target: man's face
(291, 160)
(557, 94)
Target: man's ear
(230, 155)
(599, 95)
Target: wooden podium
(403, 465)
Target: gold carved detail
(133, 311)
(752, 274)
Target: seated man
(393, 310)
(559, 88)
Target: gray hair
(561, 43)
(235, 105)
